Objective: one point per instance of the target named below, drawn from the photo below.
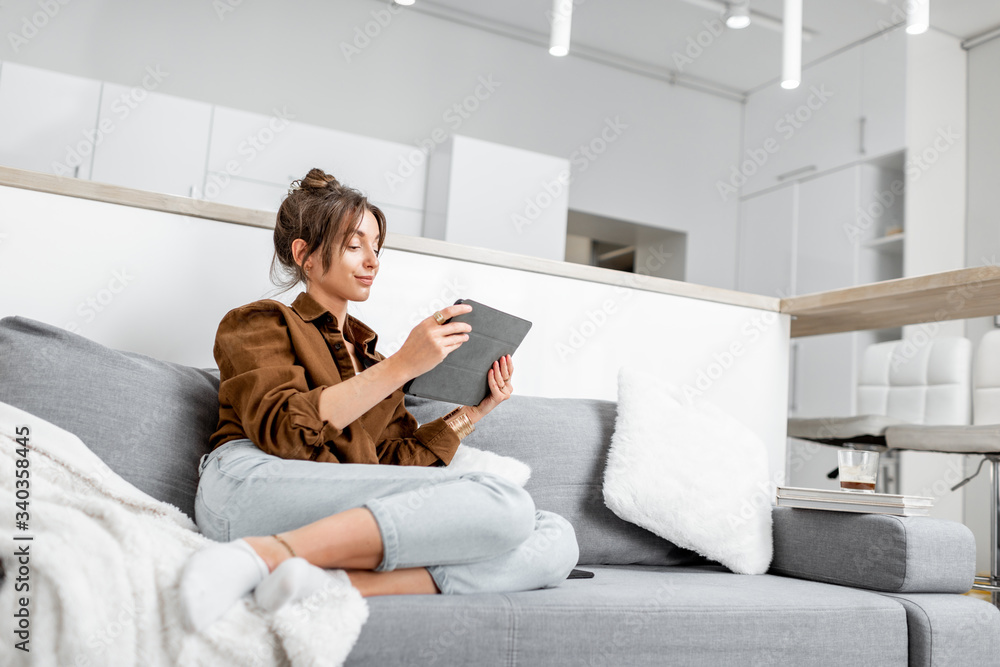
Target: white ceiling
(652, 31)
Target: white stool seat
(979, 439)
(840, 430)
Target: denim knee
(511, 519)
(562, 552)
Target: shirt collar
(357, 332)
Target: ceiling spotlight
(562, 16)
(918, 16)
(403, 2)
(791, 66)
(738, 14)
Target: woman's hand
(498, 379)
(429, 342)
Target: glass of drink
(858, 470)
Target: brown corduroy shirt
(275, 361)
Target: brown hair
(318, 210)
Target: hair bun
(317, 179)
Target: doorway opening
(621, 245)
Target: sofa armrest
(880, 552)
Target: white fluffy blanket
(100, 574)
(470, 459)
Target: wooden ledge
(936, 297)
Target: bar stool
(900, 383)
(981, 438)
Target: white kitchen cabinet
(825, 260)
(50, 120)
(822, 385)
(812, 128)
(883, 93)
(824, 366)
(824, 376)
(225, 189)
(766, 242)
(500, 197)
(275, 149)
(825, 247)
(831, 137)
(152, 141)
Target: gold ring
(439, 317)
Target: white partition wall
(158, 283)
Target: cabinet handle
(796, 172)
(76, 171)
(793, 391)
(861, 134)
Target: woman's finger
(498, 391)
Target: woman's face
(341, 282)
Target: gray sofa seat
(637, 616)
(949, 629)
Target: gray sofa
(843, 589)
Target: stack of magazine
(852, 501)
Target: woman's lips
(365, 281)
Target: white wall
(673, 143)
(158, 284)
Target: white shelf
(892, 244)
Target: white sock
(215, 577)
(293, 579)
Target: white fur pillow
(691, 474)
(470, 459)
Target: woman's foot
(215, 577)
(293, 580)
(271, 550)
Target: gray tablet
(462, 376)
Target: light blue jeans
(474, 532)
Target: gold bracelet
(459, 422)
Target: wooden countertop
(936, 297)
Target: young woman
(316, 464)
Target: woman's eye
(353, 247)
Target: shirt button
(337, 346)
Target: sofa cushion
(149, 420)
(566, 442)
(640, 615)
(950, 630)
